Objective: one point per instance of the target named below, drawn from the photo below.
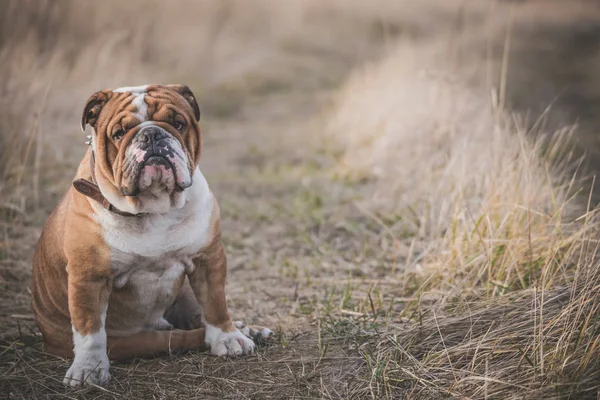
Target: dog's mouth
(158, 160)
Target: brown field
(406, 188)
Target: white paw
(88, 370)
(232, 344)
(91, 363)
(254, 332)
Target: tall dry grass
(34, 26)
(460, 173)
(499, 246)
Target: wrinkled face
(147, 145)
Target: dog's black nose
(152, 134)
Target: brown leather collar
(91, 190)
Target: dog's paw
(256, 333)
(89, 370)
(232, 344)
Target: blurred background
(344, 138)
(54, 54)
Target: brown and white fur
(107, 285)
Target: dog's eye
(179, 124)
(118, 133)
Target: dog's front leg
(208, 283)
(88, 292)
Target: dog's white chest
(154, 235)
(158, 247)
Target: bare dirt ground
(308, 253)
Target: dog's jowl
(130, 263)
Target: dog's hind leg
(152, 343)
(185, 312)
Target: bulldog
(130, 263)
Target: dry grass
(529, 344)
(499, 251)
(456, 173)
(453, 254)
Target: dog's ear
(187, 94)
(93, 107)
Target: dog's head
(147, 145)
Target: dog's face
(147, 145)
